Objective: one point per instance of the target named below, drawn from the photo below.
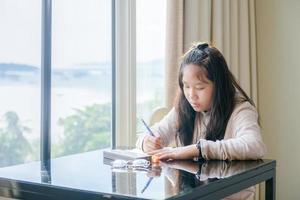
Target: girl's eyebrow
(204, 82)
(199, 83)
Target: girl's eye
(200, 88)
(186, 86)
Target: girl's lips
(195, 105)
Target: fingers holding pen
(157, 142)
(151, 143)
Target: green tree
(88, 129)
(14, 147)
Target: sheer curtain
(227, 24)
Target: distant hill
(83, 74)
(17, 67)
(4, 67)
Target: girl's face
(197, 88)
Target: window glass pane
(20, 46)
(81, 76)
(151, 31)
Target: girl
(213, 117)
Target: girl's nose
(193, 95)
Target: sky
(81, 31)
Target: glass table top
(87, 171)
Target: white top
(242, 139)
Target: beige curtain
(227, 24)
(233, 32)
(174, 47)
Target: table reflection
(181, 176)
(46, 171)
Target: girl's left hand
(177, 153)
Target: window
(81, 76)
(150, 54)
(105, 71)
(20, 58)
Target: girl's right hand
(151, 143)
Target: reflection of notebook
(130, 154)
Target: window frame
(125, 37)
(45, 139)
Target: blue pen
(149, 130)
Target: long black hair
(215, 68)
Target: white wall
(278, 57)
